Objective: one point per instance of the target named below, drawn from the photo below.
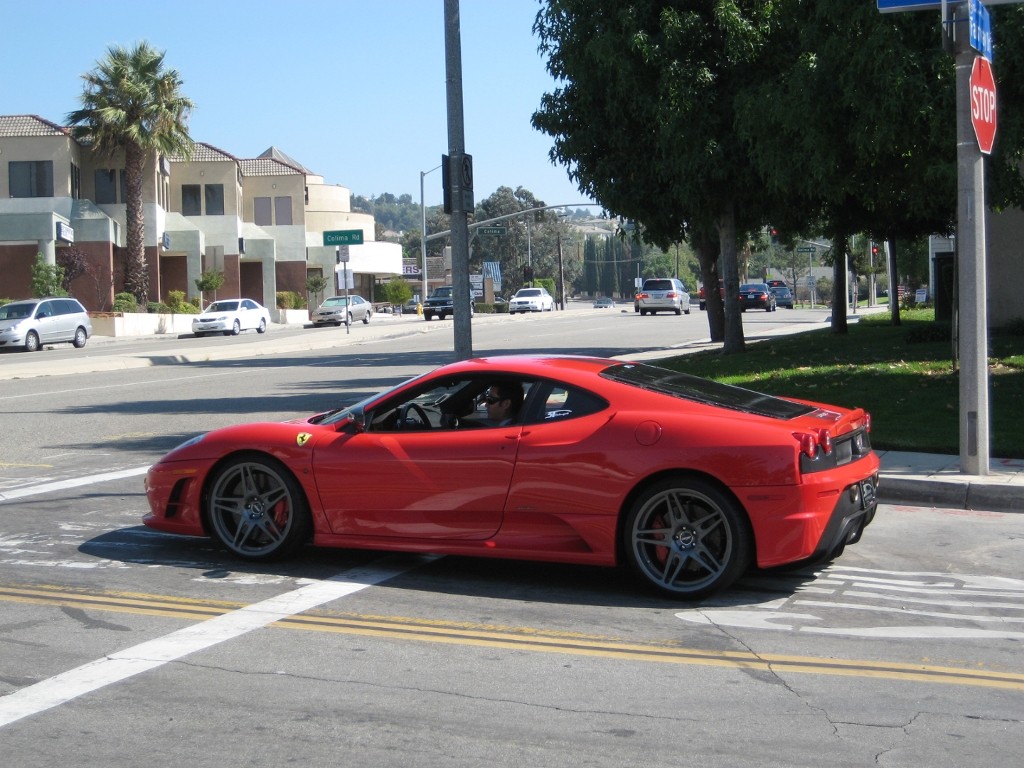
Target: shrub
(158, 308)
(125, 302)
(175, 299)
(923, 334)
(290, 300)
(1013, 328)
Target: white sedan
(231, 317)
(531, 300)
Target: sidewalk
(906, 478)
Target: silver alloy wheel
(686, 538)
(262, 328)
(80, 337)
(236, 328)
(256, 509)
(32, 342)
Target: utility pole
(460, 180)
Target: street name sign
(491, 230)
(344, 237)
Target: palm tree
(131, 103)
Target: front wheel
(256, 509)
(32, 342)
(687, 538)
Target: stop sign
(983, 104)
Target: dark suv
(34, 322)
(441, 303)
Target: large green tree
(130, 103)
(644, 119)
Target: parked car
(231, 317)
(783, 296)
(31, 323)
(756, 296)
(441, 303)
(663, 294)
(531, 300)
(343, 309)
(702, 301)
(776, 283)
(685, 480)
(604, 302)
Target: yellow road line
(524, 638)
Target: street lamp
(423, 235)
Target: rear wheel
(81, 337)
(366, 318)
(262, 327)
(256, 509)
(687, 538)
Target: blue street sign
(981, 29)
(890, 6)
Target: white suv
(531, 300)
(663, 294)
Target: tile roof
(203, 152)
(266, 166)
(29, 125)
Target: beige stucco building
(259, 221)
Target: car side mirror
(352, 424)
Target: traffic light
(774, 233)
(527, 273)
(874, 249)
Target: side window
(248, 304)
(569, 402)
(46, 309)
(66, 307)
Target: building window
(106, 185)
(261, 214)
(76, 181)
(214, 199)
(191, 200)
(30, 178)
(283, 210)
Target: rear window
(698, 390)
(658, 285)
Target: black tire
(687, 538)
(81, 338)
(686, 311)
(679, 311)
(236, 328)
(256, 509)
(366, 318)
(32, 342)
(643, 313)
(262, 327)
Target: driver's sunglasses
(491, 400)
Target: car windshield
(223, 306)
(442, 293)
(528, 292)
(687, 387)
(16, 311)
(336, 301)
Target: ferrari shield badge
(302, 438)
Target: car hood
(5, 324)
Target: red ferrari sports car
(687, 481)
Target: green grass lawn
(903, 375)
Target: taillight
(808, 444)
(825, 440)
(867, 421)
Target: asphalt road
(120, 645)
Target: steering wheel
(412, 408)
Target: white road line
(122, 665)
(75, 482)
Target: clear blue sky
(352, 89)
